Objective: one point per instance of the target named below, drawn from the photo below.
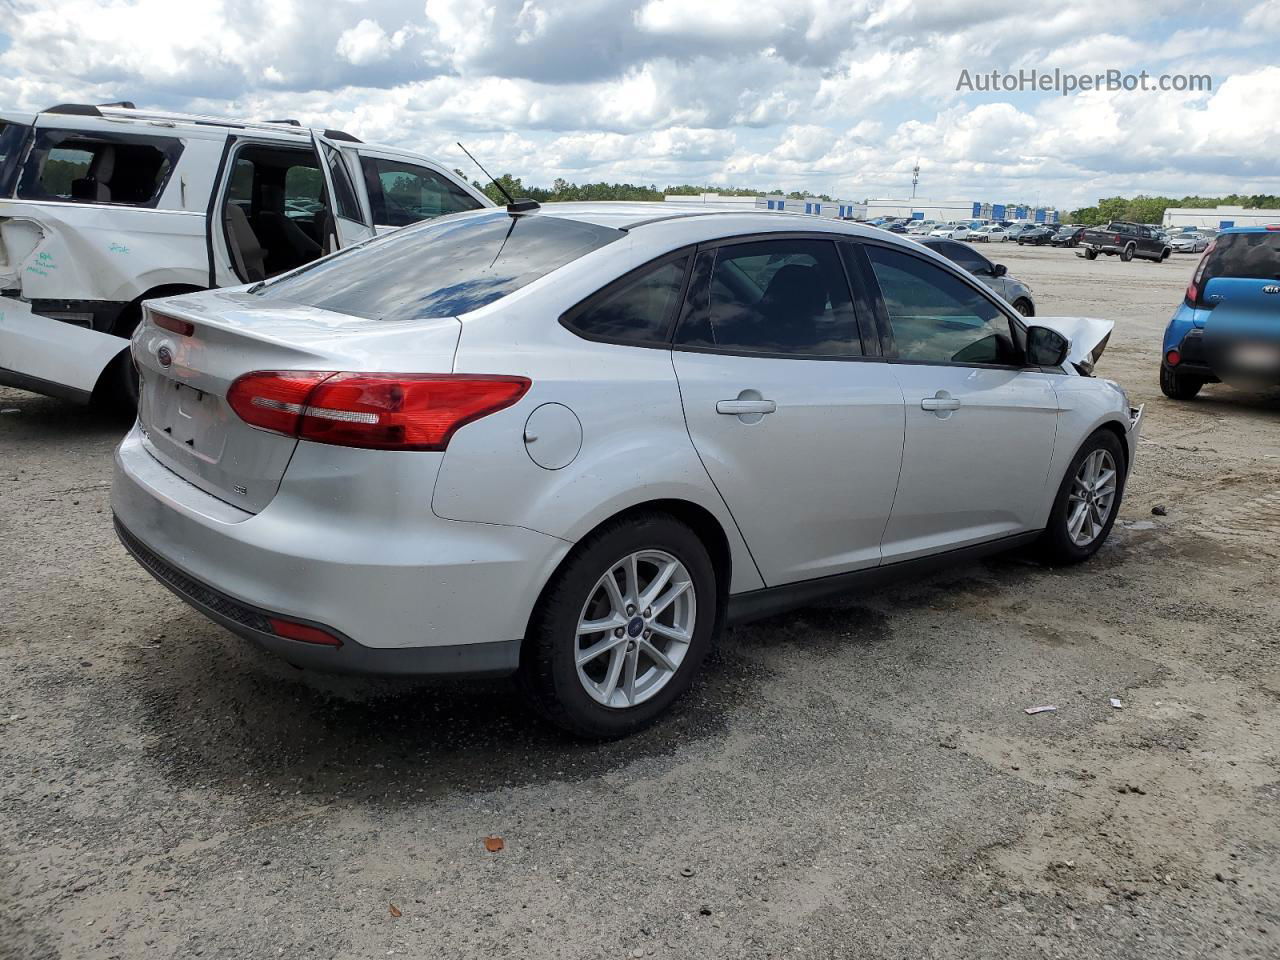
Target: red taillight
(1174, 358)
(1116, 239)
(181, 327)
(381, 411)
(301, 631)
(274, 400)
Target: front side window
(788, 297)
(402, 193)
(937, 317)
(98, 168)
(966, 257)
(441, 269)
(637, 309)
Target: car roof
(284, 128)
(634, 215)
(1261, 228)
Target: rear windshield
(441, 268)
(12, 136)
(1254, 255)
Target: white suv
(103, 207)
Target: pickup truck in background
(1125, 240)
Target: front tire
(117, 389)
(1090, 254)
(1087, 503)
(1178, 387)
(1024, 307)
(622, 628)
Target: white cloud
(839, 96)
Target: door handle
(738, 408)
(941, 401)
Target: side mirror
(1046, 348)
(999, 269)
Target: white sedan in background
(573, 442)
(952, 231)
(990, 233)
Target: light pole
(915, 179)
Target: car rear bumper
(425, 596)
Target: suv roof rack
(290, 122)
(342, 135)
(123, 104)
(75, 109)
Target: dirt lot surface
(852, 780)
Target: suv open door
(351, 219)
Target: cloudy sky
(838, 97)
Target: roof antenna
(514, 206)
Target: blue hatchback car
(1227, 328)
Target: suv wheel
(1024, 307)
(622, 628)
(117, 388)
(1087, 502)
(1178, 386)
(1127, 254)
(1090, 253)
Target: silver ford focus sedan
(573, 442)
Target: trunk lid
(183, 410)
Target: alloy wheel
(635, 628)
(1092, 498)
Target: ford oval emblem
(165, 356)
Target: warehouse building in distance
(814, 206)
(1220, 218)
(918, 209)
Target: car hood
(1088, 337)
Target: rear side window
(935, 316)
(1248, 255)
(12, 137)
(638, 309)
(781, 297)
(402, 193)
(441, 269)
(98, 167)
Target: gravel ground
(853, 780)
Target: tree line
(563, 190)
(1144, 209)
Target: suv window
(1245, 255)
(344, 192)
(402, 193)
(937, 317)
(441, 269)
(786, 297)
(12, 137)
(98, 167)
(636, 309)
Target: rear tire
(625, 687)
(1179, 387)
(1127, 254)
(1079, 524)
(117, 389)
(1091, 254)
